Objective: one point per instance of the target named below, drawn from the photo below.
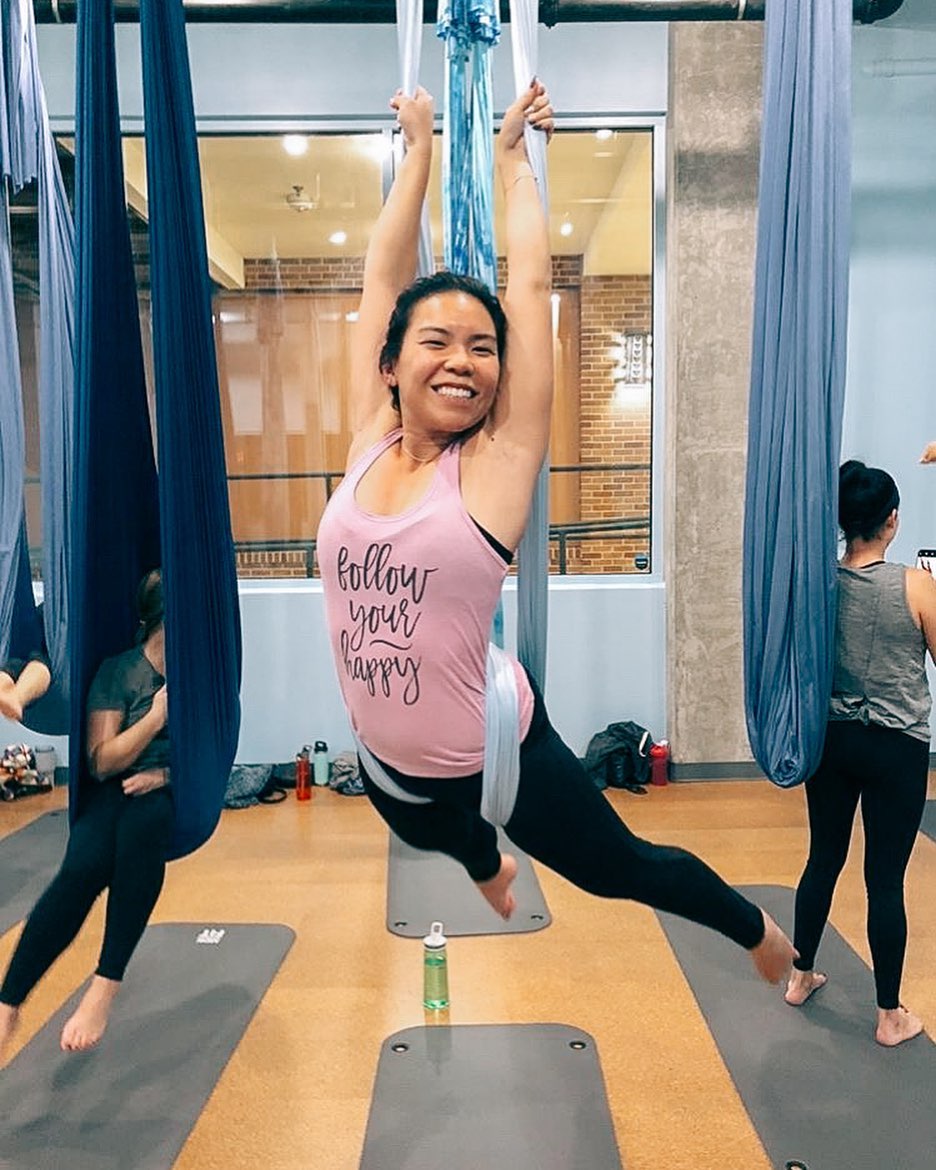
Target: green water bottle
(435, 970)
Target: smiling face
(448, 369)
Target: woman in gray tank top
(877, 744)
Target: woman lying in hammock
(119, 840)
(452, 415)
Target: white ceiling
(602, 187)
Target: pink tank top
(409, 601)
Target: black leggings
(119, 843)
(886, 770)
(562, 820)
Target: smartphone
(926, 559)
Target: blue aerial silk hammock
(409, 15)
(27, 153)
(533, 580)
(127, 522)
(797, 385)
(470, 29)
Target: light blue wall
(283, 73)
(604, 663)
(890, 410)
(606, 647)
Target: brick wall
(611, 431)
(303, 274)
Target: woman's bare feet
(10, 704)
(802, 984)
(498, 891)
(86, 1026)
(895, 1025)
(774, 954)
(9, 1018)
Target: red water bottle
(659, 763)
(303, 775)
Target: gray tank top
(880, 652)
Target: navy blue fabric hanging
(797, 384)
(115, 537)
(128, 523)
(203, 642)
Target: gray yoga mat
(928, 825)
(524, 1096)
(816, 1086)
(130, 1103)
(423, 888)
(29, 859)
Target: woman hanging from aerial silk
(451, 418)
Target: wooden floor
(295, 1095)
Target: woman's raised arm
(524, 400)
(391, 256)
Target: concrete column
(713, 146)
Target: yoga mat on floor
(129, 1104)
(928, 825)
(29, 859)
(523, 1096)
(423, 888)
(816, 1086)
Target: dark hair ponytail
(150, 604)
(867, 496)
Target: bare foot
(10, 704)
(895, 1025)
(86, 1026)
(9, 1018)
(774, 954)
(498, 891)
(802, 984)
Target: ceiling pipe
(551, 12)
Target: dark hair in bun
(867, 496)
(150, 604)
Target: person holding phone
(876, 748)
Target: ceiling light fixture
(604, 134)
(295, 144)
(566, 228)
(338, 237)
(298, 200)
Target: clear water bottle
(320, 763)
(435, 970)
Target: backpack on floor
(619, 757)
(250, 784)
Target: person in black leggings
(562, 820)
(119, 840)
(876, 748)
